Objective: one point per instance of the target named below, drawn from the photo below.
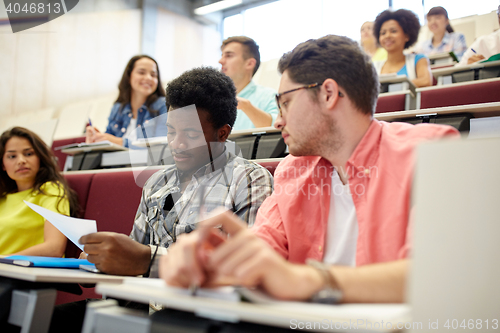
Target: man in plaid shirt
(205, 176)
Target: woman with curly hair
(397, 31)
(29, 173)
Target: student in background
(483, 47)
(140, 99)
(369, 43)
(341, 198)
(240, 61)
(397, 31)
(29, 172)
(444, 39)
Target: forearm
(258, 117)
(377, 283)
(46, 249)
(115, 140)
(422, 81)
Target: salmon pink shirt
(294, 219)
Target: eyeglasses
(309, 86)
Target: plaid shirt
(164, 212)
(454, 41)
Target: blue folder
(51, 262)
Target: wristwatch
(330, 293)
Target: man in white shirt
(483, 47)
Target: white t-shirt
(487, 46)
(131, 133)
(342, 232)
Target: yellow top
(20, 226)
(380, 54)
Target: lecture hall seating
(481, 91)
(111, 198)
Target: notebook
(50, 262)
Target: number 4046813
(471, 324)
(33, 8)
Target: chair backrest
(80, 183)
(72, 120)
(44, 129)
(269, 164)
(483, 91)
(100, 110)
(113, 201)
(390, 102)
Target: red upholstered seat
(80, 183)
(113, 200)
(461, 94)
(270, 165)
(110, 198)
(390, 103)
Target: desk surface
(455, 69)
(282, 314)
(478, 110)
(392, 78)
(61, 275)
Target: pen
(473, 50)
(90, 121)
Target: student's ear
(251, 62)
(330, 88)
(223, 133)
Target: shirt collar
(249, 88)
(367, 151)
(217, 163)
(446, 38)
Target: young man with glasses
(483, 47)
(240, 60)
(336, 227)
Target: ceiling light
(217, 6)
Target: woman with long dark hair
(29, 173)
(444, 38)
(140, 100)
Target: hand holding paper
(71, 227)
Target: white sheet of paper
(71, 227)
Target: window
(279, 26)
(456, 9)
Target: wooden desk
(34, 296)
(478, 110)
(393, 83)
(443, 75)
(278, 314)
(441, 59)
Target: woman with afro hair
(396, 32)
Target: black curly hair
(407, 20)
(208, 89)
